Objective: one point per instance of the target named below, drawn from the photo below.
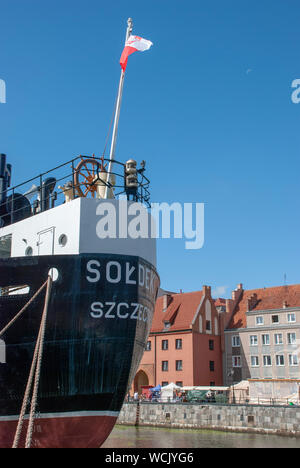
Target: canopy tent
(242, 385)
(156, 389)
(239, 393)
(196, 395)
(216, 389)
(206, 393)
(146, 390)
(167, 392)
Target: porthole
(54, 274)
(63, 239)
(29, 252)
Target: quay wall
(280, 420)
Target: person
(136, 396)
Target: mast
(117, 114)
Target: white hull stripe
(74, 414)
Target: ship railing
(83, 176)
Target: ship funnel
(5, 177)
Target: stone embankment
(283, 420)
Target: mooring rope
(35, 369)
(38, 365)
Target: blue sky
(208, 107)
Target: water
(149, 437)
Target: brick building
(262, 338)
(185, 342)
(196, 340)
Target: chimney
(167, 298)
(237, 292)
(206, 291)
(251, 302)
(229, 306)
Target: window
(278, 338)
(293, 360)
(254, 361)
(212, 366)
(291, 338)
(279, 360)
(216, 326)
(164, 384)
(200, 324)
(275, 318)
(148, 346)
(267, 361)
(208, 317)
(265, 339)
(5, 246)
(236, 361)
(259, 320)
(179, 383)
(291, 317)
(164, 344)
(236, 341)
(178, 343)
(211, 345)
(179, 365)
(165, 366)
(253, 340)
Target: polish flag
(133, 44)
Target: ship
(76, 301)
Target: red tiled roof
(180, 312)
(220, 302)
(267, 299)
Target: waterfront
(149, 437)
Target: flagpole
(117, 114)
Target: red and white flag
(133, 44)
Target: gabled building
(262, 336)
(185, 342)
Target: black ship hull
(99, 318)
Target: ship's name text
(121, 310)
(115, 272)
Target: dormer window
(291, 317)
(259, 320)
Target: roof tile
(267, 299)
(180, 312)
